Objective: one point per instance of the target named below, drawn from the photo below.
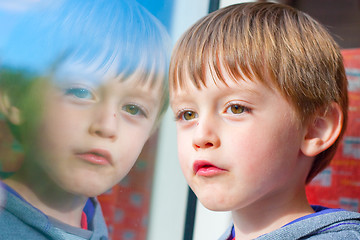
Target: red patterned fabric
(339, 184)
(126, 206)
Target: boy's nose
(205, 135)
(105, 124)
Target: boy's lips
(206, 169)
(96, 156)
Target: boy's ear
(11, 112)
(323, 130)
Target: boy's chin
(214, 202)
(214, 206)
(89, 193)
(87, 190)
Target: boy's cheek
(184, 154)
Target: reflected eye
(236, 109)
(79, 92)
(133, 110)
(187, 115)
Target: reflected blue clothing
(325, 223)
(20, 220)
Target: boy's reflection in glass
(82, 88)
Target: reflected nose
(205, 135)
(105, 123)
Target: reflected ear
(323, 131)
(11, 112)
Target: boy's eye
(235, 109)
(133, 110)
(82, 93)
(187, 115)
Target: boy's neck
(60, 205)
(262, 218)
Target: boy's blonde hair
(278, 45)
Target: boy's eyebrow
(86, 80)
(242, 89)
(176, 101)
(144, 94)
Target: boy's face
(90, 135)
(238, 144)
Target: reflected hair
(88, 39)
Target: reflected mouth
(205, 168)
(96, 156)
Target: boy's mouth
(206, 169)
(96, 156)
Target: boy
(82, 87)
(259, 94)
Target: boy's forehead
(220, 74)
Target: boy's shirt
(30, 222)
(325, 223)
(70, 232)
